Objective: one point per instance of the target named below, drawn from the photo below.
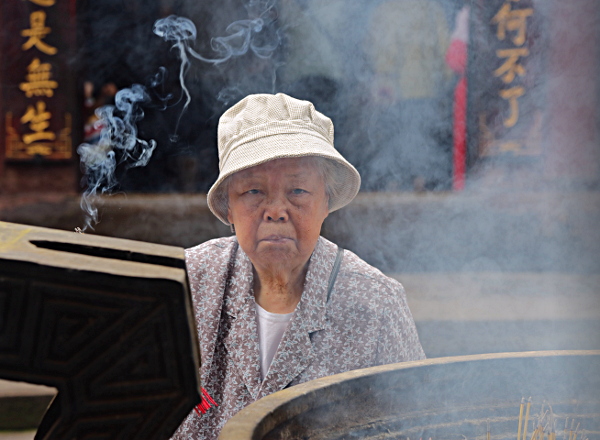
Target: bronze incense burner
(455, 398)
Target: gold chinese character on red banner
(510, 68)
(37, 33)
(37, 81)
(511, 20)
(37, 100)
(512, 95)
(59, 149)
(43, 2)
(39, 120)
(507, 123)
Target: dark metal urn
(484, 397)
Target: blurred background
(474, 124)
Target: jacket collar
(238, 291)
(242, 342)
(312, 306)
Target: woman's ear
(230, 220)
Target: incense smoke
(238, 42)
(119, 143)
(241, 38)
(180, 30)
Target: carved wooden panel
(107, 322)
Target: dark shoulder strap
(335, 270)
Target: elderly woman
(276, 304)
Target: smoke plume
(119, 144)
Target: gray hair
(332, 173)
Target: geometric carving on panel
(139, 368)
(12, 302)
(69, 331)
(71, 319)
(107, 322)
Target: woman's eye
(252, 191)
(298, 191)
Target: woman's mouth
(276, 239)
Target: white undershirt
(271, 327)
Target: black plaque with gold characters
(37, 91)
(506, 79)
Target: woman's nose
(276, 210)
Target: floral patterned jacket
(365, 323)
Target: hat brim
(280, 146)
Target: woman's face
(278, 208)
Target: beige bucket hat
(265, 127)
